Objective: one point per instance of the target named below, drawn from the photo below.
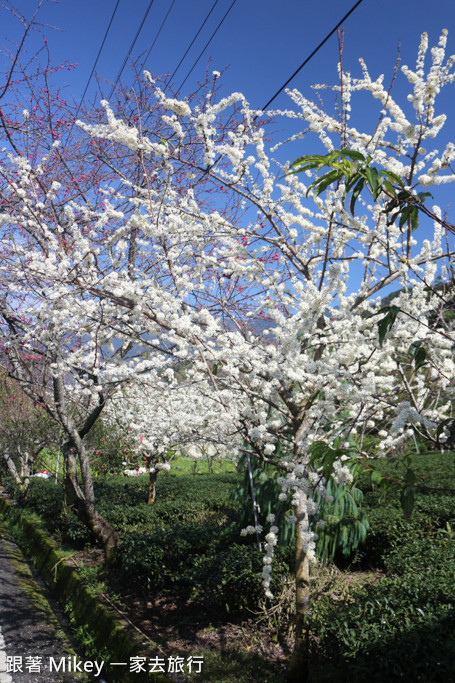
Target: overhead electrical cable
(159, 31)
(169, 80)
(141, 25)
(329, 35)
(304, 63)
(206, 45)
(94, 66)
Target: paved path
(28, 626)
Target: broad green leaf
(373, 180)
(376, 477)
(325, 181)
(320, 180)
(405, 214)
(310, 160)
(415, 218)
(418, 354)
(389, 187)
(356, 156)
(386, 323)
(306, 167)
(407, 498)
(350, 182)
(393, 176)
(355, 193)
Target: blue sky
(261, 41)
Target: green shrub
(403, 626)
(45, 498)
(346, 523)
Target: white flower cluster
(136, 472)
(407, 414)
(271, 541)
(251, 530)
(341, 474)
(162, 466)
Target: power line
(131, 47)
(206, 45)
(94, 67)
(169, 80)
(266, 106)
(159, 31)
(302, 65)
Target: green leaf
(356, 156)
(407, 499)
(355, 193)
(308, 162)
(392, 205)
(306, 167)
(405, 214)
(376, 477)
(386, 323)
(423, 195)
(418, 354)
(373, 180)
(389, 187)
(420, 358)
(393, 176)
(414, 218)
(322, 183)
(323, 456)
(350, 181)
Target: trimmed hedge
(402, 626)
(188, 542)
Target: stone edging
(112, 635)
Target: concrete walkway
(30, 633)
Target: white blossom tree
(166, 413)
(53, 180)
(278, 306)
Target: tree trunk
(297, 671)
(22, 480)
(82, 501)
(152, 486)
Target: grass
(180, 465)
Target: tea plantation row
(398, 620)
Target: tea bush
(400, 628)
(188, 544)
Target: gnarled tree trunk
(297, 671)
(82, 500)
(22, 480)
